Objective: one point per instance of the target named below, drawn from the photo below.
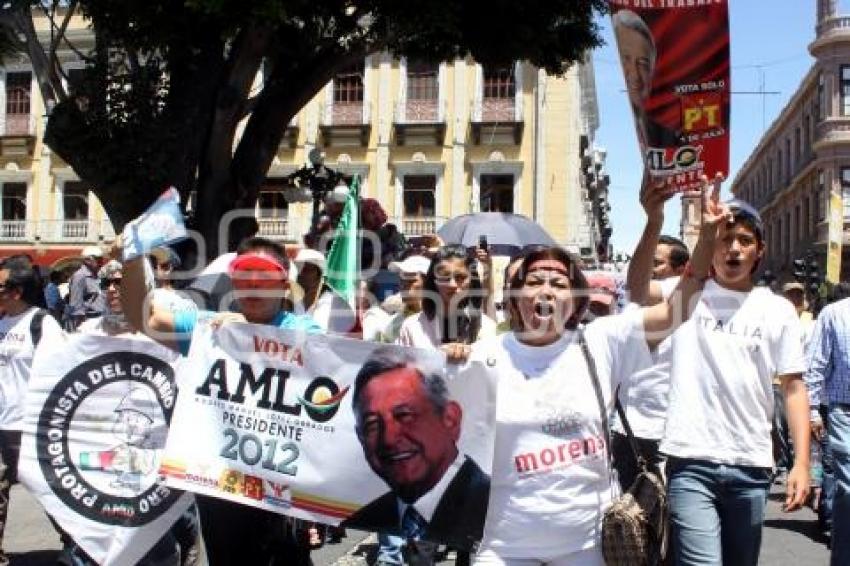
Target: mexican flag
(343, 266)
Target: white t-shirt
(551, 479)
(419, 331)
(646, 401)
(171, 300)
(16, 353)
(332, 313)
(724, 359)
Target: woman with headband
(551, 477)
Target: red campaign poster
(675, 58)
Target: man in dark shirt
(85, 297)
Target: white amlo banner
(95, 425)
(334, 430)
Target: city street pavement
(788, 540)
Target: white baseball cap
(413, 264)
(307, 255)
(92, 251)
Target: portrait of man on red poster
(675, 63)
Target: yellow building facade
(429, 142)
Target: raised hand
(714, 213)
(654, 192)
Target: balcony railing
(837, 24)
(64, 231)
(832, 130)
(420, 225)
(18, 125)
(274, 227)
(426, 111)
(290, 228)
(346, 114)
(75, 229)
(13, 230)
(496, 110)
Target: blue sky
(769, 43)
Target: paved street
(789, 540)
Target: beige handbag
(634, 527)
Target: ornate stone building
(805, 155)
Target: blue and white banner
(335, 430)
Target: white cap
(92, 251)
(307, 255)
(413, 264)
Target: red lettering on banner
(563, 454)
(276, 349)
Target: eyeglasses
(108, 282)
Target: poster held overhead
(675, 61)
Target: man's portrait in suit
(409, 429)
(638, 55)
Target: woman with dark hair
(451, 316)
(551, 479)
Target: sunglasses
(108, 282)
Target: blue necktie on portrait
(413, 525)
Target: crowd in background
(714, 393)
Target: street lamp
(319, 181)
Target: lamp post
(320, 181)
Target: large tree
(167, 82)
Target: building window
(845, 90)
(807, 136)
(419, 195)
(845, 190)
(422, 82)
(270, 200)
(807, 220)
(820, 99)
(798, 227)
(14, 201)
(777, 235)
(797, 148)
(18, 103)
(788, 232)
(75, 201)
(820, 198)
(769, 186)
(18, 93)
(499, 83)
(778, 169)
(348, 85)
(787, 161)
(497, 193)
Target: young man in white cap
(85, 297)
(323, 304)
(411, 272)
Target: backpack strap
(36, 324)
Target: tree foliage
(168, 81)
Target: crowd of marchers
(726, 385)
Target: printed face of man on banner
(637, 55)
(409, 430)
(407, 425)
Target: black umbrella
(505, 232)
